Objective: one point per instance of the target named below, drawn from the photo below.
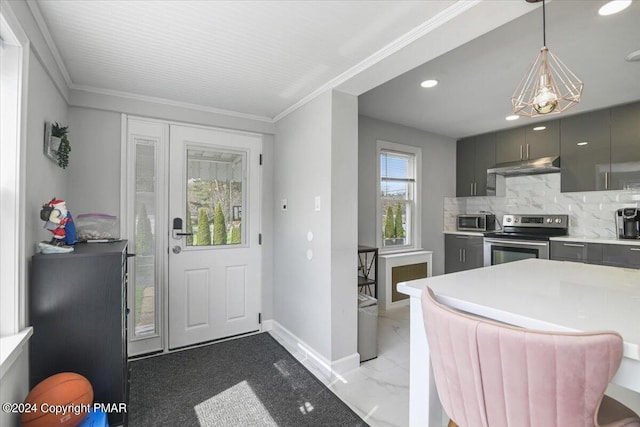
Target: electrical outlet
(283, 204)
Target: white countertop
(466, 233)
(544, 294)
(604, 240)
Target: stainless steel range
(522, 237)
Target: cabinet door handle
(460, 255)
(464, 256)
(573, 245)
(521, 158)
(471, 190)
(527, 151)
(606, 180)
(462, 237)
(475, 188)
(635, 249)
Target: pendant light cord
(544, 26)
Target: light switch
(317, 203)
(283, 204)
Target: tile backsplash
(591, 214)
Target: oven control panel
(546, 221)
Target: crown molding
(44, 29)
(398, 44)
(165, 101)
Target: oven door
(500, 251)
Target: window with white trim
(398, 207)
(11, 262)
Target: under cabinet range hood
(527, 167)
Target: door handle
(635, 249)
(177, 249)
(521, 153)
(573, 245)
(177, 229)
(527, 151)
(464, 256)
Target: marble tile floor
(378, 391)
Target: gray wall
(43, 180)
(316, 154)
(438, 180)
(344, 224)
(94, 169)
(302, 295)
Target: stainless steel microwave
(476, 222)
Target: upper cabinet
(600, 150)
(542, 140)
(528, 142)
(510, 145)
(625, 147)
(585, 156)
(474, 156)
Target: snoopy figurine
(60, 223)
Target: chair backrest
(492, 374)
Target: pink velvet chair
(490, 374)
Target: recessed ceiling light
(539, 128)
(513, 117)
(582, 143)
(429, 83)
(614, 6)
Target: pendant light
(549, 86)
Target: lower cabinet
(627, 256)
(621, 256)
(462, 252)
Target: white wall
(316, 155)
(94, 169)
(438, 180)
(302, 287)
(43, 180)
(344, 225)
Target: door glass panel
(215, 197)
(145, 239)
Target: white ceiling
(252, 57)
(262, 58)
(478, 78)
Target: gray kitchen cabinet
(510, 145)
(462, 252)
(525, 143)
(589, 253)
(465, 166)
(627, 256)
(585, 151)
(625, 147)
(621, 256)
(542, 142)
(474, 156)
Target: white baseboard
(267, 325)
(303, 351)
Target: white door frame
(126, 205)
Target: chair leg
(452, 424)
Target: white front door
(214, 226)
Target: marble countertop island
(536, 294)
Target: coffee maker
(628, 223)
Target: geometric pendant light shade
(549, 86)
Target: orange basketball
(62, 400)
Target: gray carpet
(250, 381)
